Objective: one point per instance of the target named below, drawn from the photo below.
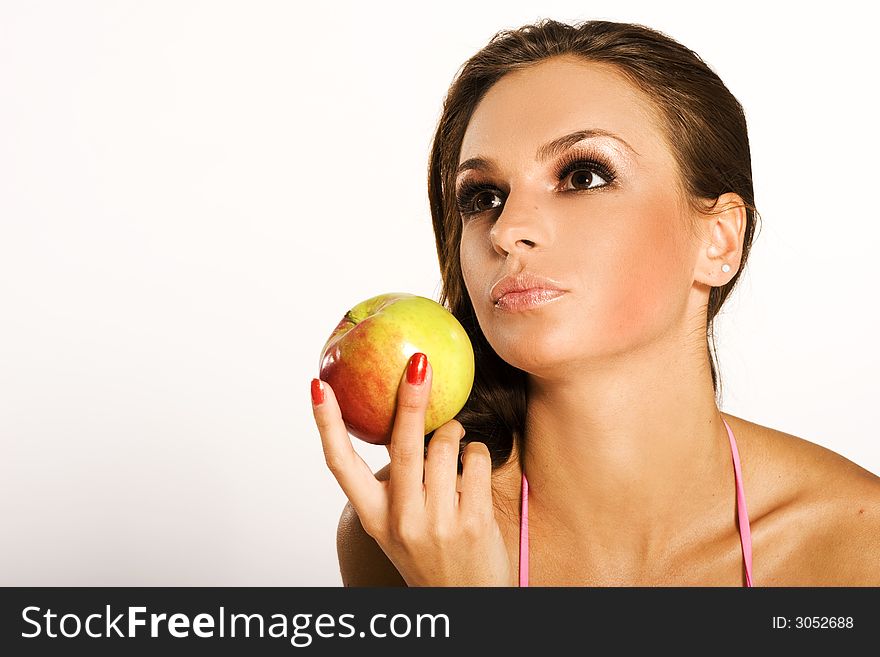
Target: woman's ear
(723, 229)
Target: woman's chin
(538, 356)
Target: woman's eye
(486, 198)
(473, 199)
(584, 178)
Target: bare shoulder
(816, 515)
(845, 499)
(361, 561)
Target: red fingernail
(417, 369)
(317, 392)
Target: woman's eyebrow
(550, 149)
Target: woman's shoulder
(361, 561)
(815, 514)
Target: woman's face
(613, 235)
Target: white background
(193, 193)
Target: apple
(366, 356)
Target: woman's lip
(527, 299)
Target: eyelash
(593, 162)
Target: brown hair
(704, 126)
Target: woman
(606, 168)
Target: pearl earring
(725, 268)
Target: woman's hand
(436, 527)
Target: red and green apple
(366, 355)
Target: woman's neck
(627, 459)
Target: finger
(441, 469)
(476, 479)
(407, 447)
(388, 449)
(360, 485)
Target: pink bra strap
(524, 534)
(745, 533)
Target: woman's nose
(519, 227)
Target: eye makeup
(576, 159)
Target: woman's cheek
(468, 263)
(646, 290)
